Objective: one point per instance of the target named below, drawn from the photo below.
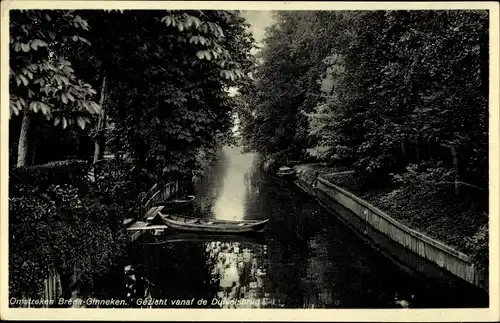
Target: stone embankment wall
(409, 247)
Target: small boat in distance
(189, 224)
(178, 203)
(286, 172)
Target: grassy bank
(432, 209)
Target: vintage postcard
(263, 161)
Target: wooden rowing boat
(187, 200)
(177, 203)
(188, 224)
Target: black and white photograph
(249, 156)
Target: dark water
(304, 259)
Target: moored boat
(189, 224)
(175, 204)
(286, 172)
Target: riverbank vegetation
(401, 97)
(147, 88)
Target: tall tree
(41, 77)
(286, 82)
(177, 103)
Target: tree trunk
(33, 150)
(418, 151)
(100, 138)
(22, 148)
(455, 165)
(403, 149)
(429, 144)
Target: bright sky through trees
(259, 21)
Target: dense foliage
(151, 86)
(399, 96)
(167, 76)
(377, 90)
(62, 223)
(42, 79)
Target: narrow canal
(304, 259)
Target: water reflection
(209, 189)
(239, 274)
(305, 258)
(137, 286)
(231, 191)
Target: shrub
(59, 219)
(479, 247)
(423, 173)
(120, 185)
(59, 228)
(28, 260)
(58, 172)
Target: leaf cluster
(42, 79)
